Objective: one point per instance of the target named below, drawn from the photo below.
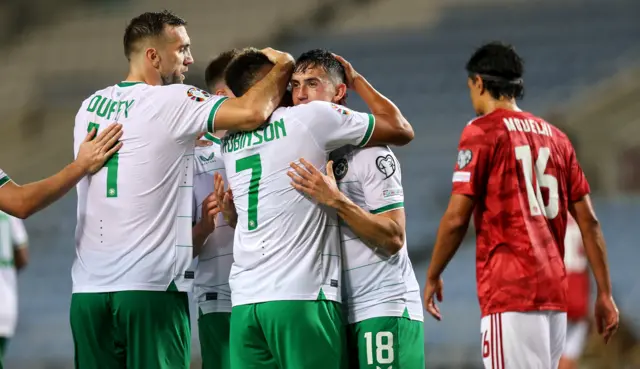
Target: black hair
(500, 68)
(150, 24)
(243, 71)
(216, 68)
(324, 59)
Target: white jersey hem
(237, 301)
(129, 287)
(357, 317)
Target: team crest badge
(386, 165)
(464, 158)
(197, 94)
(340, 169)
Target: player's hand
(93, 153)
(202, 143)
(433, 287)
(210, 211)
(311, 181)
(607, 316)
(350, 72)
(277, 57)
(225, 200)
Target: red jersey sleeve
(472, 166)
(578, 185)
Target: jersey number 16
(534, 195)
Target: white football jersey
(134, 215)
(286, 246)
(12, 236)
(211, 286)
(375, 284)
(4, 178)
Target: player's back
(286, 246)
(134, 216)
(523, 174)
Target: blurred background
(582, 74)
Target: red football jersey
(523, 172)
(578, 281)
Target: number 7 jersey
(522, 173)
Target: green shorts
(131, 329)
(288, 335)
(386, 342)
(213, 330)
(3, 346)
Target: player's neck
(137, 74)
(494, 105)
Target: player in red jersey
(520, 175)
(575, 262)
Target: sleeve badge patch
(197, 94)
(464, 158)
(340, 168)
(386, 165)
(340, 109)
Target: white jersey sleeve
(18, 232)
(334, 126)
(4, 178)
(188, 110)
(382, 180)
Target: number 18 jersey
(286, 246)
(522, 173)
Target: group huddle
(292, 206)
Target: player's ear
(153, 56)
(341, 94)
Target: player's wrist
(82, 164)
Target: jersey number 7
(254, 164)
(534, 195)
(112, 168)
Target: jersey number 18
(534, 195)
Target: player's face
(476, 92)
(175, 55)
(313, 84)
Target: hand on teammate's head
(350, 72)
(277, 57)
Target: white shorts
(576, 339)
(530, 340)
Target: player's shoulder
(368, 154)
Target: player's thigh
(305, 334)
(516, 340)
(213, 331)
(248, 346)
(388, 342)
(577, 333)
(156, 327)
(557, 336)
(95, 341)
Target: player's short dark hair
(216, 68)
(320, 58)
(242, 72)
(150, 24)
(500, 68)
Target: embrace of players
(292, 206)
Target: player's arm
(20, 243)
(593, 240)
(383, 227)
(22, 201)
(391, 127)
(207, 223)
(252, 109)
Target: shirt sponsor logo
(207, 159)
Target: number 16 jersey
(522, 173)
